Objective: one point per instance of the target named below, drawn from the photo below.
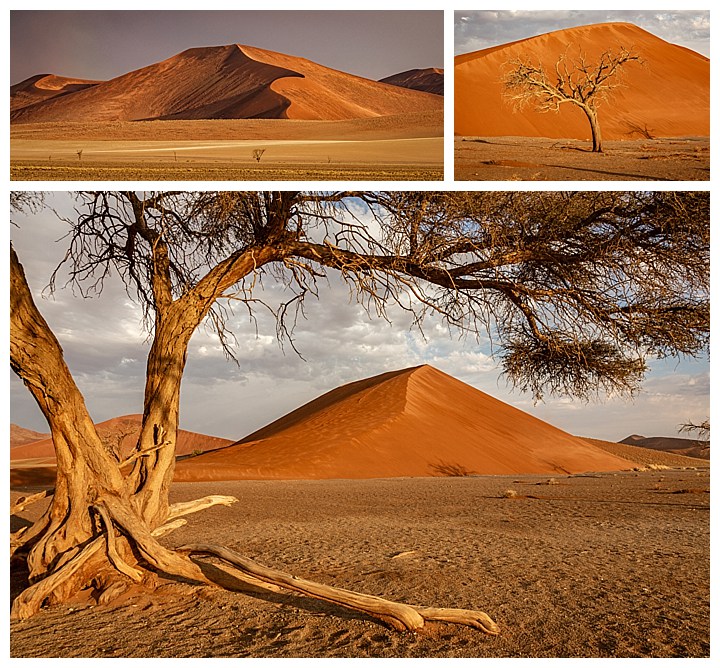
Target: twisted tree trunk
(102, 525)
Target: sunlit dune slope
(667, 94)
(232, 81)
(414, 422)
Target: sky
(476, 30)
(105, 348)
(101, 45)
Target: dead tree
(257, 154)
(574, 81)
(576, 290)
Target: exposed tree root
(187, 507)
(112, 574)
(25, 501)
(398, 615)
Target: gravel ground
(598, 565)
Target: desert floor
(540, 159)
(595, 565)
(367, 149)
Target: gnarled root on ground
(398, 615)
(126, 552)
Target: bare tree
(257, 154)
(575, 289)
(574, 81)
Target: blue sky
(105, 348)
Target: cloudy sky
(105, 44)
(476, 30)
(106, 349)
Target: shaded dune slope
(415, 422)
(430, 80)
(224, 82)
(680, 446)
(42, 87)
(124, 430)
(668, 93)
(20, 436)
(650, 457)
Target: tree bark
(594, 129)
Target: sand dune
(20, 436)
(123, 430)
(430, 80)
(230, 81)
(650, 457)
(42, 87)
(679, 446)
(414, 422)
(669, 93)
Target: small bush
(510, 494)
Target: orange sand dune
(230, 81)
(430, 79)
(669, 93)
(124, 429)
(42, 87)
(414, 422)
(20, 436)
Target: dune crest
(413, 422)
(668, 94)
(222, 82)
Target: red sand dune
(124, 429)
(20, 436)
(231, 81)
(42, 87)
(430, 80)
(669, 93)
(414, 422)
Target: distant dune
(679, 446)
(648, 456)
(223, 82)
(123, 430)
(414, 422)
(430, 80)
(42, 87)
(20, 436)
(668, 94)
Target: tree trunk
(101, 526)
(594, 129)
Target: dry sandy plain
(396, 148)
(586, 565)
(543, 159)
